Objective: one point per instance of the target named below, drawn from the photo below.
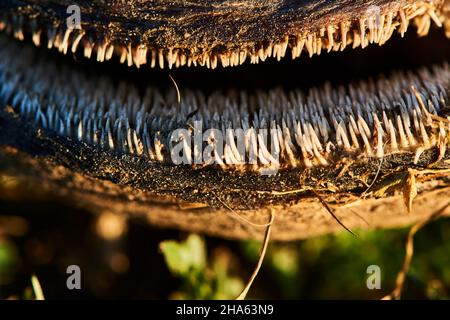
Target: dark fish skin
(208, 25)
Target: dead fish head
(212, 33)
(243, 135)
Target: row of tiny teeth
(127, 139)
(120, 136)
(360, 32)
(308, 132)
(307, 137)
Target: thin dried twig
(330, 211)
(400, 281)
(176, 87)
(322, 201)
(37, 289)
(237, 215)
(374, 179)
(262, 254)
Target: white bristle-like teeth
(65, 41)
(129, 55)
(377, 28)
(87, 49)
(362, 30)
(296, 50)
(380, 135)
(36, 38)
(403, 139)
(404, 22)
(51, 35)
(330, 33)
(77, 41)
(309, 44)
(342, 138)
(161, 59)
(393, 138)
(123, 54)
(418, 153)
(101, 51)
(308, 128)
(17, 27)
(109, 52)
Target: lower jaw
(346, 174)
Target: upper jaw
(228, 33)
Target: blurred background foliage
(122, 258)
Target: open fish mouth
(294, 104)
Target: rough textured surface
(57, 169)
(305, 219)
(203, 24)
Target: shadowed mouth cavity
(304, 113)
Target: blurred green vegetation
(188, 261)
(9, 261)
(326, 267)
(332, 266)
